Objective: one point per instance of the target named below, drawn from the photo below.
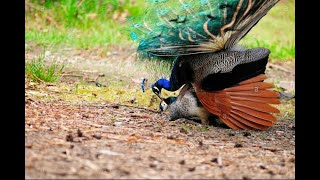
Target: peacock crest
(182, 27)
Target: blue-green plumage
(180, 27)
(186, 31)
(200, 37)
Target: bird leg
(204, 116)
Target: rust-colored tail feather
(257, 99)
(258, 93)
(238, 123)
(255, 86)
(244, 106)
(249, 123)
(255, 106)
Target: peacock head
(165, 103)
(161, 83)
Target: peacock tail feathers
(182, 27)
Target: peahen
(188, 106)
(201, 38)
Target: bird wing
(183, 27)
(245, 105)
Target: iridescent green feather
(180, 27)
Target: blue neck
(176, 80)
(164, 83)
(170, 100)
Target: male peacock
(201, 38)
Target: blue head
(166, 102)
(161, 83)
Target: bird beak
(165, 93)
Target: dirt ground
(82, 139)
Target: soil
(83, 139)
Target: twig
(89, 71)
(124, 105)
(147, 109)
(59, 92)
(73, 75)
(140, 116)
(271, 149)
(279, 67)
(93, 124)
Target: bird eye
(163, 106)
(155, 90)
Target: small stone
(182, 162)
(271, 172)
(69, 138)
(246, 134)
(97, 136)
(85, 115)
(191, 169)
(107, 152)
(154, 164)
(118, 123)
(182, 130)
(105, 170)
(115, 106)
(279, 133)
(79, 132)
(292, 127)
(215, 160)
(262, 167)
(292, 160)
(238, 145)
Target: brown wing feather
(230, 124)
(259, 93)
(257, 99)
(255, 106)
(238, 123)
(244, 106)
(249, 123)
(256, 86)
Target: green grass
(102, 23)
(102, 35)
(37, 70)
(92, 23)
(276, 31)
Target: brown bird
(243, 106)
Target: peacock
(200, 38)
